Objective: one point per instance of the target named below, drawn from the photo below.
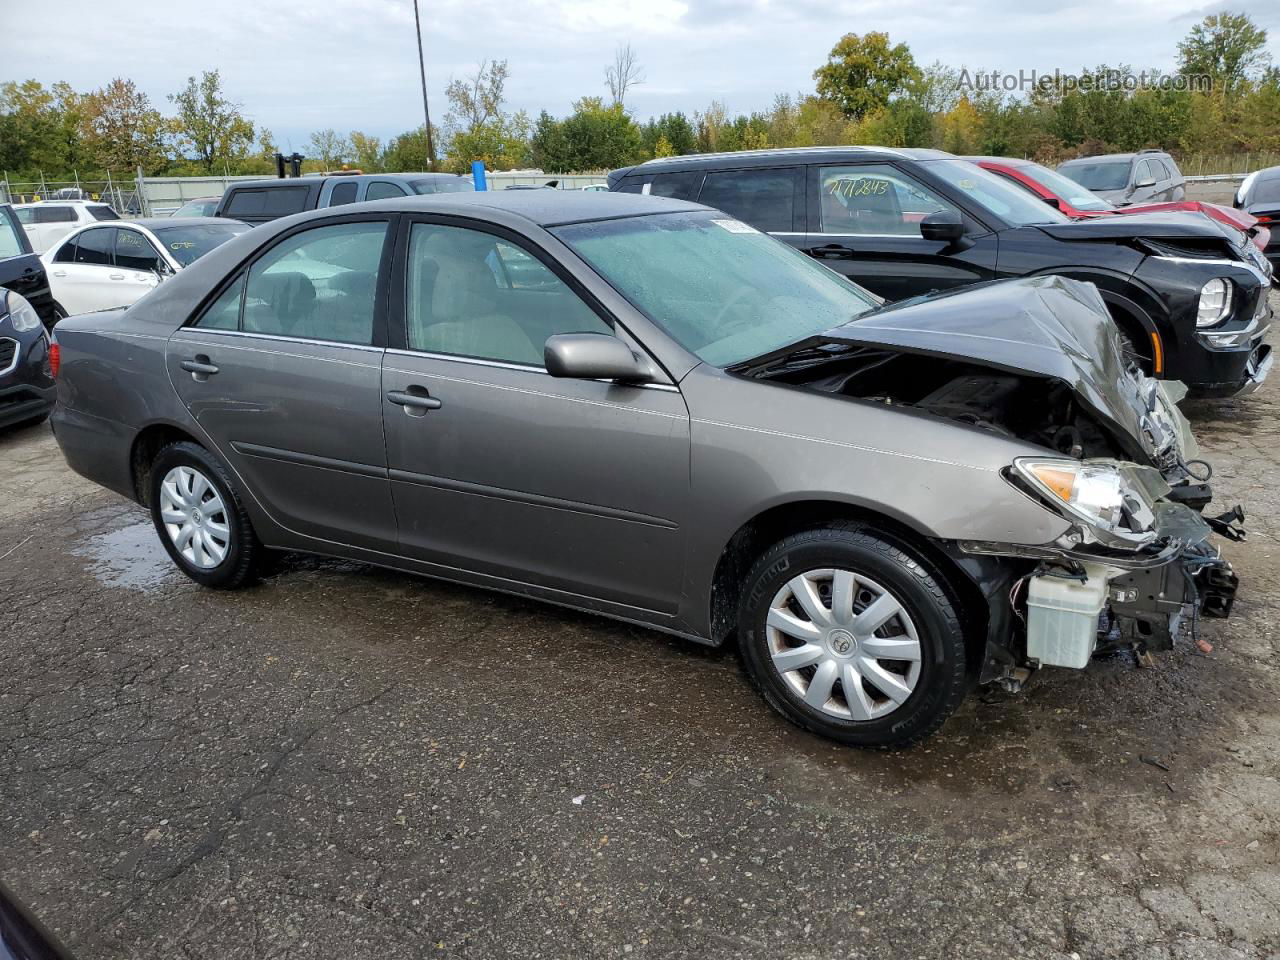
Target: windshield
(443, 185)
(721, 289)
(187, 244)
(1108, 175)
(1066, 189)
(1014, 205)
(196, 208)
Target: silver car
(643, 408)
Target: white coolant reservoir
(1062, 616)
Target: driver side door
(864, 222)
(569, 487)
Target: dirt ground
(346, 762)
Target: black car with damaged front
(27, 359)
(1037, 360)
(1187, 293)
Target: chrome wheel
(195, 517)
(843, 644)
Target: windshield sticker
(182, 245)
(735, 226)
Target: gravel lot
(345, 761)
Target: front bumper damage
(1069, 605)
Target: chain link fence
(122, 195)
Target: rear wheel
(850, 636)
(200, 520)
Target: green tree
(863, 73)
(329, 149)
(548, 146)
(120, 128)
(478, 127)
(408, 151)
(1228, 48)
(40, 129)
(599, 137)
(208, 126)
(366, 151)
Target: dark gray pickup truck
(261, 201)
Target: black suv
(261, 201)
(20, 268)
(1188, 294)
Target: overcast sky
(349, 65)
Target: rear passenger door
(283, 371)
(865, 223)
(83, 274)
(770, 199)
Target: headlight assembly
(1215, 302)
(22, 315)
(1112, 502)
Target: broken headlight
(1111, 502)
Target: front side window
(874, 200)
(721, 289)
(763, 198)
(472, 294)
(10, 235)
(319, 284)
(382, 190)
(93, 247)
(135, 252)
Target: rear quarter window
(103, 213)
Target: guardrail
(1217, 178)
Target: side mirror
(1145, 182)
(1053, 202)
(594, 356)
(945, 226)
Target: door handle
(116, 276)
(415, 400)
(199, 367)
(59, 273)
(830, 250)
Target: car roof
(353, 177)
(546, 208)
(64, 203)
(751, 158)
(156, 223)
(1114, 156)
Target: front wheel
(850, 636)
(200, 520)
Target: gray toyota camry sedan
(643, 408)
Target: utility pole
(422, 68)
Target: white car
(48, 221)
(103, 266)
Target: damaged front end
(1039, 360)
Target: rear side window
(52, 214)
(381, 190)
(135, 252)
(319, 284)
(763, 198)
(267, 202)
(66, 253)
(10, 235)
(224, 313)
(682, 186)
(93, 247)
(102, 212)
(342, 193)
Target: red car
(1075, 201)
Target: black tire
(244, 552)
(942, 681)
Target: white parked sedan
(103, 266)
(47, 222)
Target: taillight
(55, 359)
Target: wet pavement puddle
(129, 557)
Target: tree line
(1223, 97)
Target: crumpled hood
(1142, 226)
(1046, 326)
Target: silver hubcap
(195, 517)
(844, 644)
